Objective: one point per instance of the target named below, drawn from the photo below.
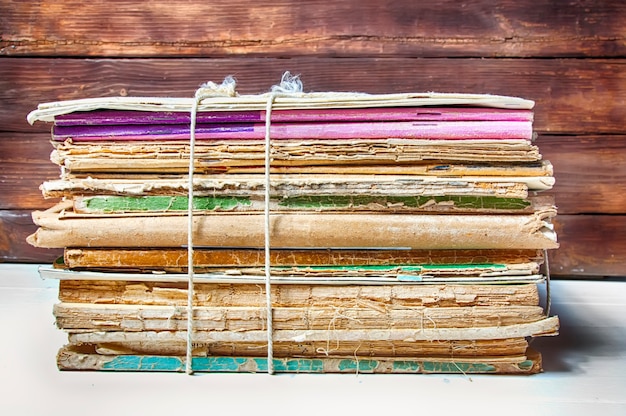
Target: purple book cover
(116, 117)
(312, 130)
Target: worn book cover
(406, 233)
(401, 263)
(58, 229)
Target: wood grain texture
(572, 96)
(591, 245)
(590, 172)
(24, 165)
(587, 28)
(15, 226)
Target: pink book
(442, 130)
(118, 117)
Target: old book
(460, 262)
(239, 320)
(358, 325)
(72, 359)
(544, 327)
(351, 130)
(93, 313)
(452, 231)
(225, 98)
(171, 204)
(347, 156)
(400, 264)
(361, 349)
(423, 113)
(374, 273)
(171, 293)
(347, 322)
(406, 233)
(340, 276)
(299, 185)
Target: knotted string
(288, 85)
(209, 89)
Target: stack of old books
(408, 232)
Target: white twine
(288, 85)
(209, 89)
(268, 275)
(190, 289)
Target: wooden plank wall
(570, 57)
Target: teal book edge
(68, 360)
(112, 204)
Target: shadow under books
(577, 341)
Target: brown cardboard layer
(426, 231)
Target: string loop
(208, 89)
(289, 84)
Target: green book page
(113, 204)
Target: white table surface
(585, 370)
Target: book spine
(544, 327)
(118, 117)
(70, 360)
(175, 257)
(388, 204)
(241, 320)
(132, 292)
(462, 130)
(460, 350)
(426, 231)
